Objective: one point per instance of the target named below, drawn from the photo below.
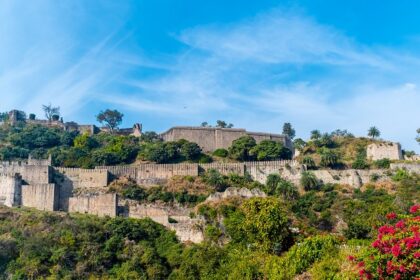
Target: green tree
(111, 118)
(329, 159)
(266, 224)
(374, 132)
(223, 124)
(190, 151)
(270, 150)
(299, 144)
(50, 111)
(418, 135)
(241, 147)
(288, 130)
(315, 134)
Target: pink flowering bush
(395, 254)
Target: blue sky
(257, 64)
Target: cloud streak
(256, 73)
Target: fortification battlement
(212, 138)
(76, 170)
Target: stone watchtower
(137, 129)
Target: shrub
(329, 159)
(395, 253)
(215, 179)
(240, 149)
(357, 230)
(221, 153)
(309, 181)
(382, 163)
(270, 150)
(400, 175)
(301, 256)
(309, 162)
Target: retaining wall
(101, 205)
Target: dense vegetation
(72, 149)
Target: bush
(221, 153)
(357, 230)
(301, 256)
(240, 149)
(309, 162)
(383, 163)
(309, 181)
(270, 150)
(395, 253)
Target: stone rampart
(70, 179)
(40, 196)
(31, 174)
(101, 205)
(147, 174)
(10, 189)
(212, 138)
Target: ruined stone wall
(101, 205)
(411, 167)
(186, 228)
(40, 196)
(390, 150)
(211, 138)
(70, 179)
(225, 168)
(10, 189)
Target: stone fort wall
(390, 150)
(149, 174)
(10, 189)
(211, 138)
(40, 196)
(101, 205)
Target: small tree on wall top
(111, 118)
(374, 132)
(289, 130)
(50, 111)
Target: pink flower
(351, 258)
(414, 208)
(416, 255)
(391, 216)
(396, 250)
(400, 224)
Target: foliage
(50, 111)
(374, 132)
(289, 130)
(315, 134)
(395, 254)
(47, 245)
(241, 147)
(382, 163)
(223, 124)
(277, 186)
(299, 144)
(329, 158)
(111, 118)
(221, 153)
(309, 181)
(270, 150)
(360, 161)
(301, 256)
(309, 162)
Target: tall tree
(374, 132)
(315, 134)
(418, 135)
(50, 111)
(288, 130)
(111, 118)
